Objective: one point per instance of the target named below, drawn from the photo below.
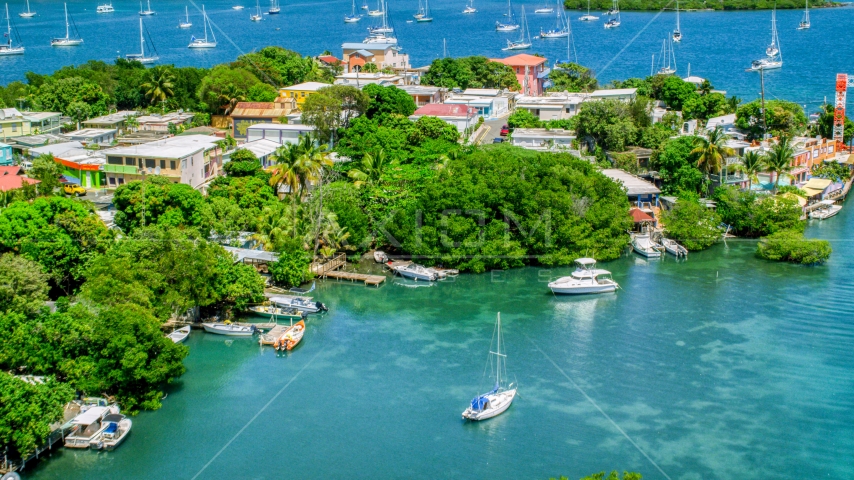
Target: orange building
(810, 152)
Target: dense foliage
(751, 215)
(572, 77)
(159, 201)
(470, 72)
(791, 246)
(27, 412)
(692, 224)
(677, 167)
(783, 118)
(614, 475)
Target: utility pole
(764, 116)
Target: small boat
(470, 7)
(677, 34)
(141, 57)
(644, 245)
(673, 248)
(544, 10)
(805, 22)
(352, 18)
(118, 427)
(229, 329)
(380, 256)
(186, 23)
(615, 8)
(379, 11)
(417, 272)
(180, 335)
(379, 38)
(826, 210)
(105, 8)
(203, 42)
(291, 337)
(274, 8)
(257, 17)
(585, 279)
(499, 399)
(147, 11)
(524, 41)
(29, 13)
(67, 41)
(271, 311)
(613, 22)
(237, 7)
(588, 17)
(764, 64)
(10, 48)
(88, 426)
(303, 304)
(510, 25)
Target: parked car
(505, 130)
(26, 165)
(497, 140)
(72, 189)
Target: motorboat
(68, 40)
(352, 18)
(544, 10)
(644, 245)
(417, 272)
(180, 335)
(204, 42)
(470, 7)
(237, 7)
(677, 34)
(805, 22)
(291, 337)
(827, 209)
(274, 8)
(673, 248)
(141, 57)
(105, 8)
(229, 329)
(88, 426)
(380, 256)
(118, 428)
(303, 304)
(271, 311)
(499, 399)
(588, 17)
(186, 23)
(585, 279)
(257, 17)
(29, 13)
(10, 48)
(524, 41)
(147, 11)
(510, 25)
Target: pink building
(531, 72)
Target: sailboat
(67, 41)
(10, 48)
(470, 7)
(378, 12)
(352, 18)
(524, 41)
(773, 56)
(588, 17)
(29, 13)
(274, 8)
(677, 34)
(148, 11)
(186, 23)
(511, 25)
(420, 12)
(204, 43)
(379, 33)
(668, 58)
(365, 5)
(140, 57)
(614, 12)
(561, 29)
(805, 22)
(499, 399)
(257, 17)
(425, 14)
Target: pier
(270, 337)
(329, 269)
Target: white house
(542, 138)
(554, 106)
(280, 133)
(89, 136)
(489, 102)
(190, 159)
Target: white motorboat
(677, 34)
(380, 256)
(470, 7)
(499, 399)
(257, 17)
(180, 335)
(10, 48)
(274, 8)
(29, 13)
(204, 42)
(417, 272)
(524, 41)
(186, 23)
(805, 22)
(237, 7)
(510, 25)
(588, 17)
(545, 9)
(585, 279)
(105, 8)
(352, 18)
(561, 29)
(68, 40)
(229, 329)
(673, 248)
(141, 57)
(303, 304)
(88, 426)
(272, 311)
(118, 427)
(644, 245)
(827, 209)
(147, 11)
(668, 58)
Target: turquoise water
(718, 45)
(722, 366)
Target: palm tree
(712, 151)
(370, 169)
(297, 165)
(230, 96)
(751, 164)
(779, 159)
(159, 84)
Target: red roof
(521, 60)
(445, 110)
(328, 59)
(640, 216)
(11, 179)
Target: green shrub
(693, 225)
(292, 268)
(791, 246)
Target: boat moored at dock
(229, 329)
(118, 427)
(303, 304)
(827, 209)
(670, 246)
(272, 311)
(417, 272)
(180, 335)
(646, 246)
(89, 425)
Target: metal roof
(634, 185)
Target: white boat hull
(180, 335)
(498, 404)
(229, 330)
(27, 14)
(417, 276)
(63, 42)
(507, 28)
(202, 45)
(581, 289)
(825, 212)
(646, 252)
(11, 51)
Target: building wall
(240, 125)
(280, 136)
(298, 95)
(14, 128)
(6, 155)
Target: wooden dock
(273, 335)
(330, 268)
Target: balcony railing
(731, 178)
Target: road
(493, 130)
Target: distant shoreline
(696, 6)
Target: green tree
(159, 84)
(46, 171)
(370, 169)
(824, 125)
(678, 170)
(27, 412)
(23, 286)
(470, 72)
(711, 151)
(675, 92)
(522, 118)
(388, 100)
(58, 94)
(243, 163)
(262, 92)
(323, 112)
(370, 67)
(280, 67)
(783, 118)
(752, 216)
(693, 225)
(752, 163)
(791, 246)
(292, 267)
(779, 159)
(224, 86)
(158, 201)
(572, 77)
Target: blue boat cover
(479, 401)
(111, 428)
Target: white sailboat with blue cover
(498, 400)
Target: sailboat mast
(141, 41)
(677, 15)
(498, 355)
(67, 33)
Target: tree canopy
(470, 72)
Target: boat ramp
(329, 269)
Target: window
(112, 180)
(149, 163)
(162, 164)
(114, 160)
(14, 127)
(121, 181)
(130, 161)
(172, 164)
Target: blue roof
(364, 53)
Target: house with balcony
(424, 94)
(553, 106)
(92, 136)
(14, 123)
(281, 133)
(809, 152)
(489, 102)
(160, 123)
(542, 139)
(531, 72)
(383, 55)
(117, 121)
(190, 159)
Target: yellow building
(301, 91)
(16, 124)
